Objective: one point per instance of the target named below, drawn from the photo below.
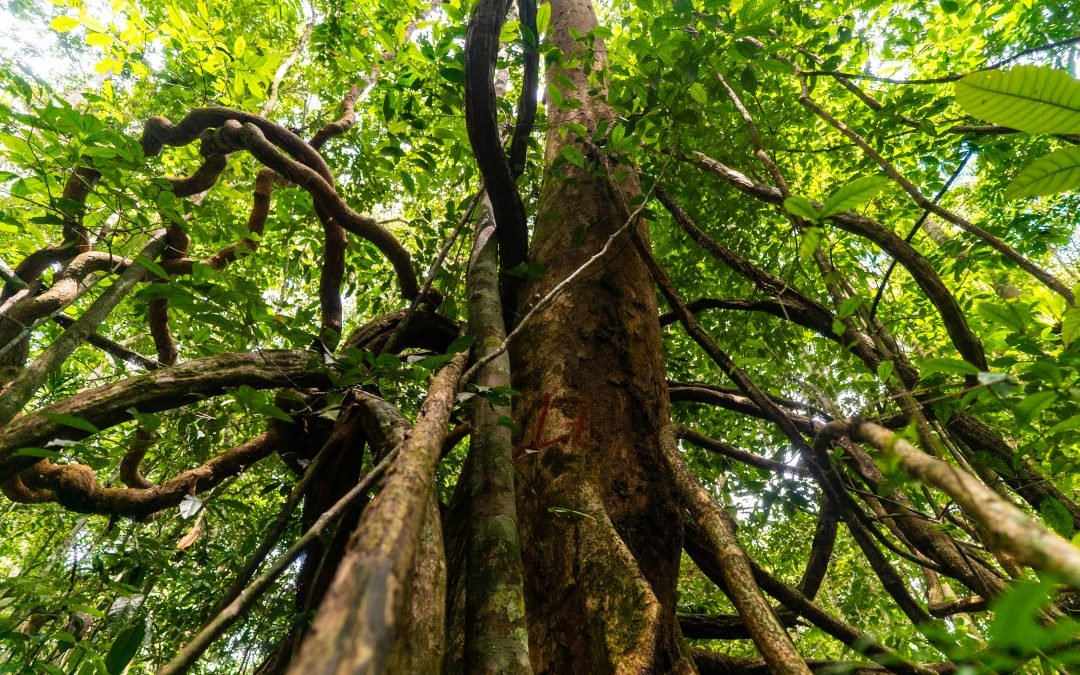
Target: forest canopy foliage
(243, 240)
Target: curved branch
(722, 626)
(769, 635)
(159, 132)
(341, 125)
(75, 487)
(1009, 527)
(720, 448)
(161, 389)
(736, 403)
(203, 178)
(129, 463)
(234, 135)
(481, 122)
(821, 550)
(527, 100)
(920, 269)
(76, 190)
(330, 279)
(426, 330)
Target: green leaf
(885, 370)
(37, 452)
(70, 421)
(574, 156)
(697, 92)
(1006, 315)
(952, 366)
(125, 647)
(1066, 424)
(1057, 517)
(543, 18)
(461, 344)
(855, 193)
(809, 244)
(152, 266)
(801, 207)
(510, 31)
(1070, 325)
(99, 40)
(1036, 99)
(509, 423)
(848, 307)
(1050, 174)
(64, 24)
(1032, 405)
(1016, 623)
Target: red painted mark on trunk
(562, 431)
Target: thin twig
(952, 77)
(286, 65)
(915, 229)
(399, 330)
(244, 602)
(272, 536)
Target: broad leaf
(125, 647)
(1057, 172)
(854, 194)
(1032, 405)
(801, 207)
(543, 18)
(1070, 325)
(1035, 99)
(64, 24)
(69, 421)
(946, 365)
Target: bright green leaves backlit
(1037, 100)
(849, 197)
(1034, 99)
(1057, 172)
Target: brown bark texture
(593, 491)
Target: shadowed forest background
(682, 336)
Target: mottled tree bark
(593, 492)
(495, 625)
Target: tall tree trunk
(592, 489)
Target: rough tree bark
(593, 491)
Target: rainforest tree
(459, 336)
